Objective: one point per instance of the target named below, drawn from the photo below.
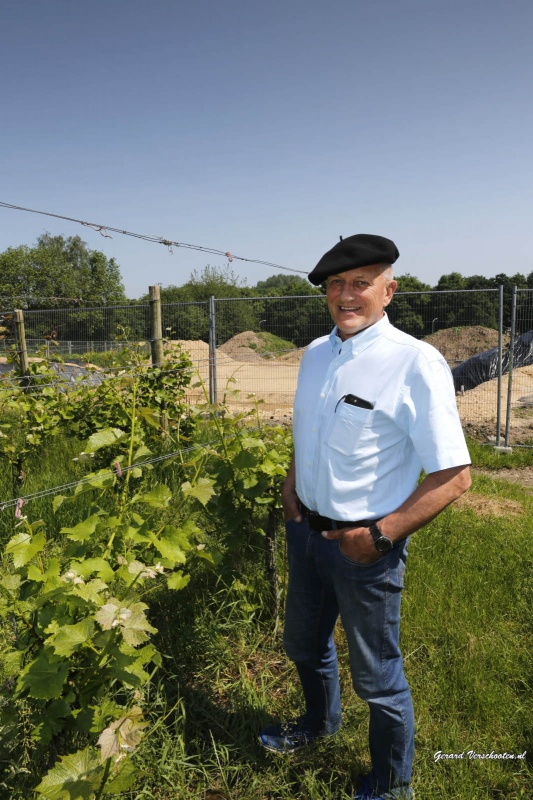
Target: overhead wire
(22, 500)
(102, 229)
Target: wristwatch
(382, 543)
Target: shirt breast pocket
(349, 426)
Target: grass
(272, 345)
(486, 457)
(466, 635)
(466, 639)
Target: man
(373, 407)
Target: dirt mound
(242, 347)
(458, 344)
(292, 356)
(196, 348)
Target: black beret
(361, 250)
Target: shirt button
(322, 394)
(314, 430)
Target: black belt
(319, 523)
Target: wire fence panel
(519, 387)
(424, 313)
(260, 342)
(186, 328)
(77, 331)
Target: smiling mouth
(349, 308)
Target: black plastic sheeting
(484, 366)
(72, 373)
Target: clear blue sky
(269, 128)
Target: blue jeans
(323, 584)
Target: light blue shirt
(356, 463)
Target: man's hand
(289, 498)
(356, 544)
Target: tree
(289, 318)
(408, 283)
(281, 285)
(232, 314)
(410, 307)
(56, 270)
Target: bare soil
(242, 347)
(459, 344)
(522, 476)
(484, 506)
(243, 377)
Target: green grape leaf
(104, 438)
(248, 442)
(44, 677)
(159, 497)
(89, 565)
(11, 583)
(135, 627)
(127, 667)
(202, 490)
(23, 547)
(123, 780)
(70, 637)
(74, 777)
(245, 459)
(170, 550)
(140, 453)
(178, 580)
(148, 415)
(83, 530)
(91, 592)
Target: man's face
(356, 298)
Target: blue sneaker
(286, 737)
(365, 792)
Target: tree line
(63, 273)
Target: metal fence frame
(299, 319)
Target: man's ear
(392, 285)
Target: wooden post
(20, 334)
(156, 340)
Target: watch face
(383, 545)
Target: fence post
(20, 334)
(510, 383)
(213, 394)
(156, 340)
(500, 365)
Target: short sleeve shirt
(354, 462)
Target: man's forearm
(432, 495)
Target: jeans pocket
(353, 563)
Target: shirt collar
(361, 340)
